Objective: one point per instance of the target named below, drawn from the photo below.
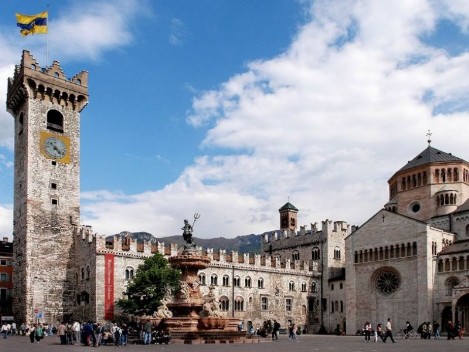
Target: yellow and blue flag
(34, 24)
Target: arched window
(226, 280)
(449, 284)
(337, 253)
(88, 272)
(239, 304)
(295, 255)
(303, 287)
(247, 281)
(82, 273)
(129, 273)
(202, 279)
(260, 283)
(214, 280)
(440, 266)
(291, 286)
(314, 287)
(224, 303)
(236, 281)
(55, 121)
(341, 306)
(315, 253)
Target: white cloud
(326, 123)
(178, 33)
(6, 214)
(107, 25)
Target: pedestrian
(4, 330)
(450, 330)
(436, 330)
(147, 328)
(458, 329)
(76, 327)
(367, 331)
(294, 331)
(117, 332)
(379, 332)
(124, 335)
(32, 332)
(39, 335)
(389, 331)
(275, 330)
(429, 330)
(62, 333)
(99, 334)
(23, 329)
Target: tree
(153, 279)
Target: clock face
(55, 148)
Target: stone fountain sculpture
(191, 317)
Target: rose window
(387, 281)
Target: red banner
(109, 286)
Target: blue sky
(231, 108)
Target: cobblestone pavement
(309, 343)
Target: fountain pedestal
(193, 320)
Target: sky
(232, 108)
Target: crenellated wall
(281, 281)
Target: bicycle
(401, 335)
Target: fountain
(191, 317)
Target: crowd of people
(379, 332)
(89, 333)
(426, 330)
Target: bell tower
(288, 217)
(46, 106)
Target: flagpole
(47, 38)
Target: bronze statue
(187, 231)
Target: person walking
(379, 332)
(389, 331)
(275, 330)
(32, 333)
(4, 330)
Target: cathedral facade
(408, 261)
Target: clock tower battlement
(46, 107)
(30, 80)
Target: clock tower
(46, 106)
